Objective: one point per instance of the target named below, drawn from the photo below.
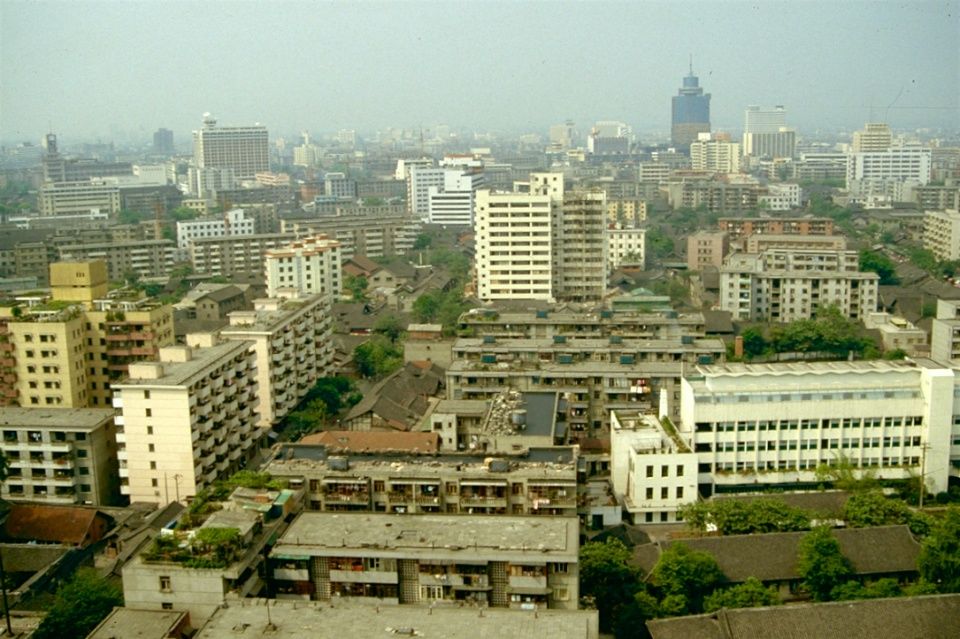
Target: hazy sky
(124, 68)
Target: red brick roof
(54, 524)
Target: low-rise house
(143, 624)
(399, 402)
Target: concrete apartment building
(785, 285)
(872, 172)
(235, 256)
(311, 265)
(78, 198)
(243, 149)
(875, 136)
(945, 332)
(592, 375)
(452, 202)
(760, 242)
(536, 482)
(501, 562)
(365, 233)
(941, 233)
(711, 153)
(291, 338)
(773, 424)
(652, 470)
(782, 196)
(233, 222)
(593, 323)
(738, 227)
(66, 351)
(707, 248)
(146, 258)
(60, 455)
(626, 247)
(187, 419)
(540, 242)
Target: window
(679, 492)
(148, 412)
(649, 493)
(649, 471)
(155, 482)
(679, 470)
(664, 471)
(664, 493)
(153, 466)
(166, 605)
(165, 585)
(150, 448)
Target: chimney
(738, 346)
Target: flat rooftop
(574, 343)
(798, 368)
(60, 418)
(180, 373)
(293, 620)
(134, 623)
(529, 538)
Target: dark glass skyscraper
(691, 112)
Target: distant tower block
(691, 112)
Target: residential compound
(784, 285)
(536, 481)
(541, 242)
(291, 337)
(60, 455)
(311, 266)
(501, 562)
(67, 350)
(187, 419)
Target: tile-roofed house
(69, 525)
(926, 617)
(772, 557)
(361, 266)
(375, 441)
(398, 402)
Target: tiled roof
(50, 524)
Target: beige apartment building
(311, 265)
(60, 455)
(538, 482)
(941, 233)
(79, 198)
(145, 258)
(501, 562)
(707, 248)
(67, 350)
(235, 255)
(292, 340)
(187, 419)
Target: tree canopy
(607, 578)
(939, 561)
(80, 604)
(742, 517)
(750, 594)
(685, 577)
(880, 264)
(871, 508)
(377, 357)
(820, 563)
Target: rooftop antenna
(691, 64)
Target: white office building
(453, 202)
(233, 222)
(871, 172)
(244, 149)
(626, 246)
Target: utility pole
(923, 471)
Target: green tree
(743, 517)
(426, 306)
(80, 604)
(607, 578)
(939, 561)
(183, 213)
(422, 242)
(389, 326)
(750, 594)
(820, 564)
(880, 264)
(878, 589)
(872, 508)
(357, 285)
(631, 618)
(754, 343)
(842, 473)
(659, 243)
(691, 574)
(377, 357)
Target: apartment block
(235, 256)
(941, 233)
(540, 242)
(60, 455)
(719, 193)
(629, 212)
(945, 332)
(243, 149)
(773, 424)
(452, 203)
(311, 265)
(369, 233)
(712, 154)
(652, 469)
(707, 248)
(869, 171)
(496, 561)
(745, 226)
(187, 419)
(593, 375)
(539, 481)
(784, 285)
(78, 198)
(760, 242)
(626, 246)
(782, 196)
(233, 222)
(291, 337)
(875, 136)
(599, 324)
(145, 258)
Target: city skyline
(502, 66)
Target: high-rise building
(245, 149)
(875, 136)
(163, 142)
(452, 203)
(542, 243)
(691, 112)
(311, 265)
(710, 153)
(766, 135)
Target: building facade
(941, 233)
(243, 149)
(311, 265)
(690, 112)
